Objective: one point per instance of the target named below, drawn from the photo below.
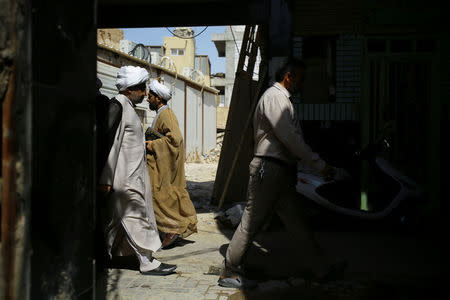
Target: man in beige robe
(174, 211)
(131, 228)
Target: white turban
(130, 76)
(160, 90)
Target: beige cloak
(131, 222)
(172, 205)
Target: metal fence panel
(177, 103)
(193, 123)
(107, 74)
(209, 123)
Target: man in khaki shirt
(279, 144)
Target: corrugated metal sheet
(194, 128)
(177, 103)
(209, 122)
(107, 74)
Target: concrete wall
(233, 40)
(110, 37)
(126, 46)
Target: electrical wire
(187, 38)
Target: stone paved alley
(381, 266)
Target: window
(202, 64)
(176, 52)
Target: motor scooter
(393, 197)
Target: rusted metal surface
(9, 203)
(6, 53)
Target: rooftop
(219, 41)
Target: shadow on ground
(124, 262)
(200, 194)
(383, 263)
(350, 291)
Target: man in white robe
(131, 227)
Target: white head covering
(130, 76)
(160, 90)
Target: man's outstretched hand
(149, 145)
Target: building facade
(181, 49)
(110, 37)
(228, 45)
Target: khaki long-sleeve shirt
(277, 130)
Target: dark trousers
(272, 188)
